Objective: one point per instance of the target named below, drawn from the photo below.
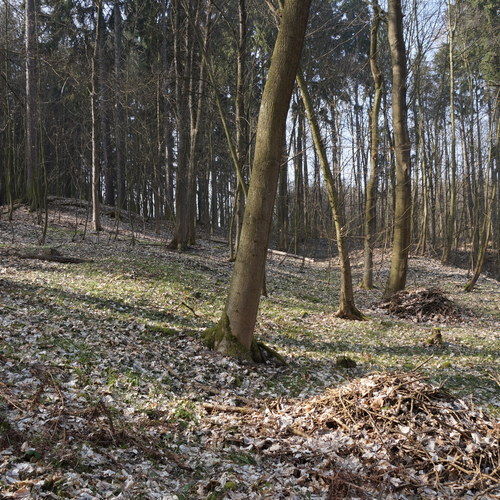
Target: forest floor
(106, 390)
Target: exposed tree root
(221, 339)
(352, 314)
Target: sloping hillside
(106, 388)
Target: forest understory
(107, 390)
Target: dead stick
(190, 308)
(229, 409)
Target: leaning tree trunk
(234, 334)
(347, 308)
(401, 236)
(371, 188)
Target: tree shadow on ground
(312, 344)
(43, 295)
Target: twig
(421, 364)
(190, 308)
(229, 409)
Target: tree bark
(371, 188)
(234, 334)
(402, 192)
(347, 307)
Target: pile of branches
(426, 435)
(391, 433)
(423, 304)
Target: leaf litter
(107, 392)
(385, 435)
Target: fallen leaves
(404, 435)
(107, 392)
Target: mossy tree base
(352, 314)
(175, 245)
(365, 286)
(221, 339)
(436, 337)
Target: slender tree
(371, 187)
(347, 308)
(234, 334)
(94, 97)
(31, 70)
(119, 115)
(452, 206)
(240, 112)
(490, 204)
(181, 58)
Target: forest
(249, 249)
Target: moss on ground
(297, 320)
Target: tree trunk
(96, 169)
(489, 208)
(282, 202)
(234, 334)
(347, 308)
(452, 213)
(32, 159)
(196, 105)
(482, 249)
(298, 214)
(181, 56)
(119, 115)
(167, 144)
(371, 188)
(240, 113)
(109, 185)
(402, 206)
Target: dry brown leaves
(390, 433)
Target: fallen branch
(53, 258)
(190, 308)
(228, 409)
(287, 255)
